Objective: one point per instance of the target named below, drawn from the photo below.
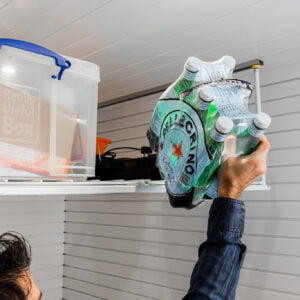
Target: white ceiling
(141, 44)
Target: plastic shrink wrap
(192, 120)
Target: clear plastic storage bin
(48, 113)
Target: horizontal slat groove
(179, 215)
(154, 214)
(138, 280)
(81, 293)
(116, 276)
(270, 272)
(271, 290)
(149, 289)
(132, 240)
(145, 227)
(279, 82)
(164, 201)
(175, 230)
(284, 165)
(160, 256)
(172, 229)
(275, 99)
(201, 234)
(110, 288)
(120, 290)
(186, 276)
(130, 252)
(128, 115)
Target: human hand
(237, 172)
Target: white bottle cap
(192, 64)
(262, 121)
(224, 125)
(206, 93)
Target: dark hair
(15, 259)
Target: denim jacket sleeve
(216, 273)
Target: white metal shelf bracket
(261, 184)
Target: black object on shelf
(108, 167)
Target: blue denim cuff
(226, 220)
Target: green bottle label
(181, 146)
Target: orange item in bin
(101, 145)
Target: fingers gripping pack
(191, 126)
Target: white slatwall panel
(41, 220)
(127, 246)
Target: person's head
(16, 282)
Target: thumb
(229, 148)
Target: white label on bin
(19, 113)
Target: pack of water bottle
(192, 121)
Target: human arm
(221, 256)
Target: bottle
(216, 138)
(249, 139)
(205, 97)
(215, 145)
(185, 81)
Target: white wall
(128, 245)
(41, 220)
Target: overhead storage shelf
(15, 188)
(19, 188)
